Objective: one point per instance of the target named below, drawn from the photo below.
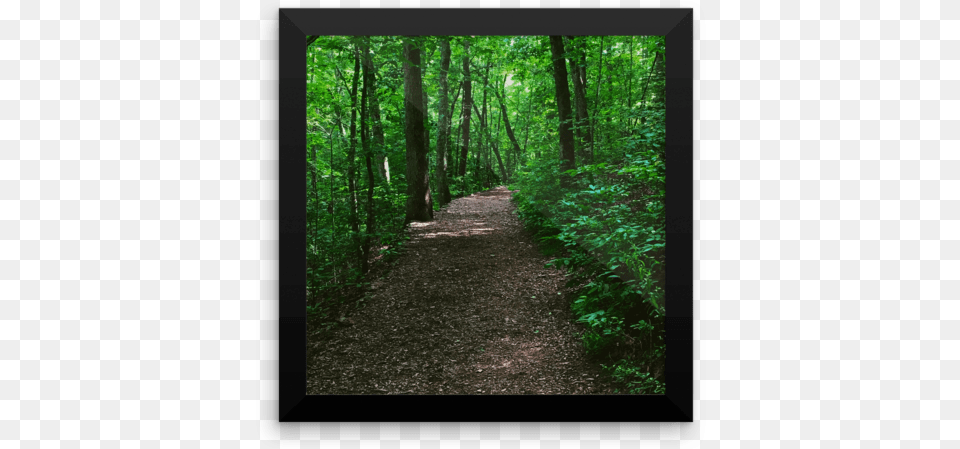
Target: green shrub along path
(467, 308)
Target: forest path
(468, 308)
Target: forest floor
(467, 308)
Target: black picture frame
(676, 405)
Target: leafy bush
(608, 231)
(635, 378)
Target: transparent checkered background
(138, 229)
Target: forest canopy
(399, 126)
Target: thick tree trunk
(419, 207)
(445, 119)
(352, 158)
(467, 105)
(563, 108)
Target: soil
(467, 308)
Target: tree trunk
(629, 107)
(376, 125)
(445, 119)
(368, 86)
(352, 157)
(570, 56)
(486, 130)
(483, 113)
(596, 103)
(506, 124)
(643, 95)
(584, 136)
(330, 209)
(426, 108)
(527, 120)
(316, 198)
(563, 108)
(503, 172)
(419, 207)
(467, 105)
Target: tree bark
(445, 119)
(584, 136)
(352, 157)
(596, 103)
(467, 105)
(316, 197)
(643, 95)
(506, 125)
(368, 87)
(426, 105)
(567, 161)
(376, 124)
(419, 207)
(486, 130)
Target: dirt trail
(468, 308)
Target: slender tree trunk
(486, 133)
(419, 207)
(527, 121)
(330, 210)
(503, 172)
(567, 161)
(316, 217)
(456, 96)
(376, 124)
(383, 160)
(369, 86)
(352, 157)
(643, 95)
(467, 105)
(426, 104)
(584, 136)
(483, 116)
(571, 60)
(583, 112)
(596, 103)
(630, 84)
(443, 137)
(506, 125)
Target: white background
(138, 228)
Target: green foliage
(635, 378)
(608, 232)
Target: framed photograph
(476, 219)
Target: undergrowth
(607, 231)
